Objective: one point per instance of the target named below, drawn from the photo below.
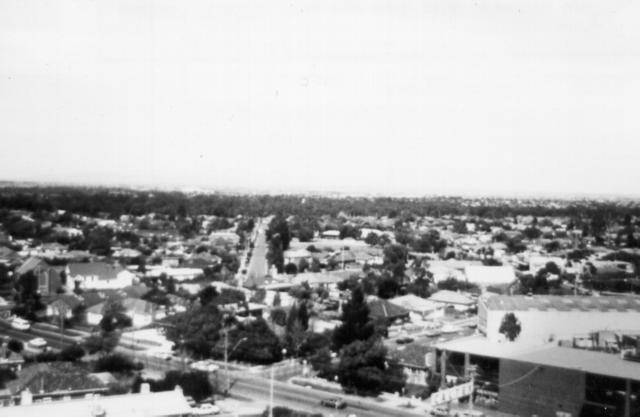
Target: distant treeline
(116, 202)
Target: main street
(258, 267)
(302, 398)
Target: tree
(356, 324)
(510, 326)
(305, 234)
(365, 370)
(394, 259)
(279, 227)
(279, 316)
(15, 345)
(195, 384)
(114, 316)
(207, 295)
(372, 239)
(260, 345)
(197, 330)
(290, 269)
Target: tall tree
(356, 324)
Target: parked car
(205, 366)
(20, 324)
(469, 413)
(334, 402)
(206, 410)
(37, 343)
(404, 340)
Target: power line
(528, 374)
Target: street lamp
(284, 352)
(226, 358)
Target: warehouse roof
(583, 360)
(563, 303)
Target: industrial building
(548, 380)
(548, 318)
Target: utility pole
(472, 372)
(271, 394)
(226, 361)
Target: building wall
(527, 391)
(540, 326)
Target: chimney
(145, 388)
(25, 397)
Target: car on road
(469, 413)
(333, 402)
(404, 340)
(439, 411)
(206, 410)
(204, 366)
(20, 324)
(38, 343)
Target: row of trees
(115, 202)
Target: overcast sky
(399, 97)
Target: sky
(398, 97)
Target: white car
(206, 410)
(20, 324)
(205, 366)
(38, 342)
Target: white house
(490, 275)
(141, 312)
(99, 275)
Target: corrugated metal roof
(562, 303)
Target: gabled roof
(51, 377)
(451, 297)
(70, 300)
(379, 308)
(414, 303)
(31, 264)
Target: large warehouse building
(548, 380)
(545, 318)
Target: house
(146, 403)
(484, 276)
(418, 305)
(53, 380)
(8, 257)
(295, 256)
(63, 304)
(141, 312)
(459, 301)
(330, 234)
(49, 278)
(99, 275)
(380, 309)
(451, 268)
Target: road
(258, 267)
(308, 399)
(48, 332)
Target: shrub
(195, 384)
(115, 363)
(48, 356)
(72, 353)
(15, 345)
